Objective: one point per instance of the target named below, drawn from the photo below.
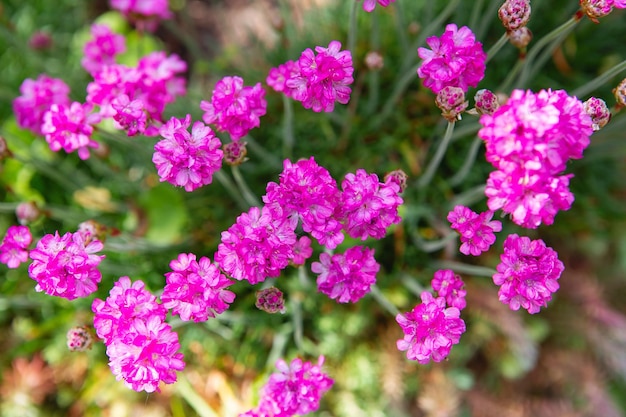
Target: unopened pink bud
(451, 101)
(514, 14)
(599, 112)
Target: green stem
(427, 176)
(460, 267)
(245, 191)
(459, 177)
(469, 197)
(353, 27)
(497, 46)
(598, 81)
(401, 27)
(288, 137)
(269, 158)
(476, 12)
(373, 78)
(195, 400)
(412, 285)
(383, 301)
(230, 188)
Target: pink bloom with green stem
(146, 14)
(449, 286)
(102, 48)
(14, 246)
(35, 100)
(70, 128)
(476, 230)
(370, 5)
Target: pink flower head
(102, 48)
(127, 302)
(368, 206)
(14, 246)
(449, 286)
(270, 300)
(277, 77)
(346, 277)
(184, 159)
(70, 128)
(527, 273)
(324, 78)
(259, 245)
(130, 115)
(302, 251)
(146, 14)
(430, 330)
(146, 355)
(196, 290)
(296, 389)
(599, 112)
(66, 266)
(234, 108)
(455, 59)
(35, 100)
(370, 5)
(476, 230)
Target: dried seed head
(520, 38)
(235, 153)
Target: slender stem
(373, 78)
(288, 137)
(429, 246)
(476, 12)
(401, 26)
(296, 314)
(412, 285)
(230, 188)
(269, 157)
(383, 301)
(480, 271)
(459, 177)
(427, 176)
(497, 46)
(469, 197)
(587, 88)
(352, 31)
(245, 191)
(195, 400)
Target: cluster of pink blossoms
(142, 348)
(370, 5)
(296, 389)
(35, 100)
(529, 141)
(66, 266)
(234, 108)
(14, 246)
(476, 230)
(316, 80)
(101, 49)
(449, 286)
(455, 59)
(70, 128)
(187, 159)
(146, 14)
(528, 273)
(196, 290)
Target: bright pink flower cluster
(318, 81)
(476, 230)
(36, 98)
(14, 246)
(296, 389)
(370, 5)
(187, 159)
(102, 48)
(259, 245)
(302, 251)
(430, 329)
(70, 128)
(142, 348)
(529, 141)
(234, 108)
(66, 266)
(449, 286)
(146, 14)
(196, 290)
(346, 277)
(527, 274)
(455, 59)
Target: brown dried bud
(79, 339)
(620, 93)
(520, 38)
(399, 177)
(514, 14)
(270, 300)
(596, 8)
(486, 102)
(374, 60)
(235, 153)
(451, 101)
(599, 112)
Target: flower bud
(486, 102)
(79, 339)
(620, 93)
(374, 61)
(91, 230)
(451, 101)
(520, 38)
(235, 153)
(514, 14)
(596, 8)
(27, 212)
(40, 40)
(399, 177)
(599, 112)
(270, 300)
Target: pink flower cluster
(476, 230)
(66, 266)
(370, 5)
(187, 159)
(234, 108)
(449, 286)
(102, 49)
(14, 246)
(317, 80)
(196, 290)
(142, 348)
(145, 14)
(346, 277)
(455, 59)
(528, 273)
(35, 100)
(529, 141)
(70, 128)
(296, 389)
(430, 329)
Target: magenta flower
(302, 251)
(102, 48)
(296, 388)
(130, 115)
(259, 245)
(184, 159)
(66, 266)
(306, 191)
(370, 5)
(528, 273)
(234, 108)
(35, 100)
(476, 230)
(430, 330)
(455, 59)
(70, 128)
(368, 206)
(146, 355)
(196, 290)
(324, 78)
(449, 286)
(145, 14)
(14, 246)
(277, 77)
(127, 302)
(346, 277)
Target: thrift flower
(70, 128)
(451, 101)
(476, 230)
(514, 14)
(277, 77)
(270, 300)
(14, 246)
(130, 115)
(430, 330)
(449, 286)
(370, 5)
(196, 290)
(486, 101)
(102, 48)
(302, 251)
(599, 112)
(346, 277)
(455, 59)
(528, 273)
(145, 14)
(35, 100)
